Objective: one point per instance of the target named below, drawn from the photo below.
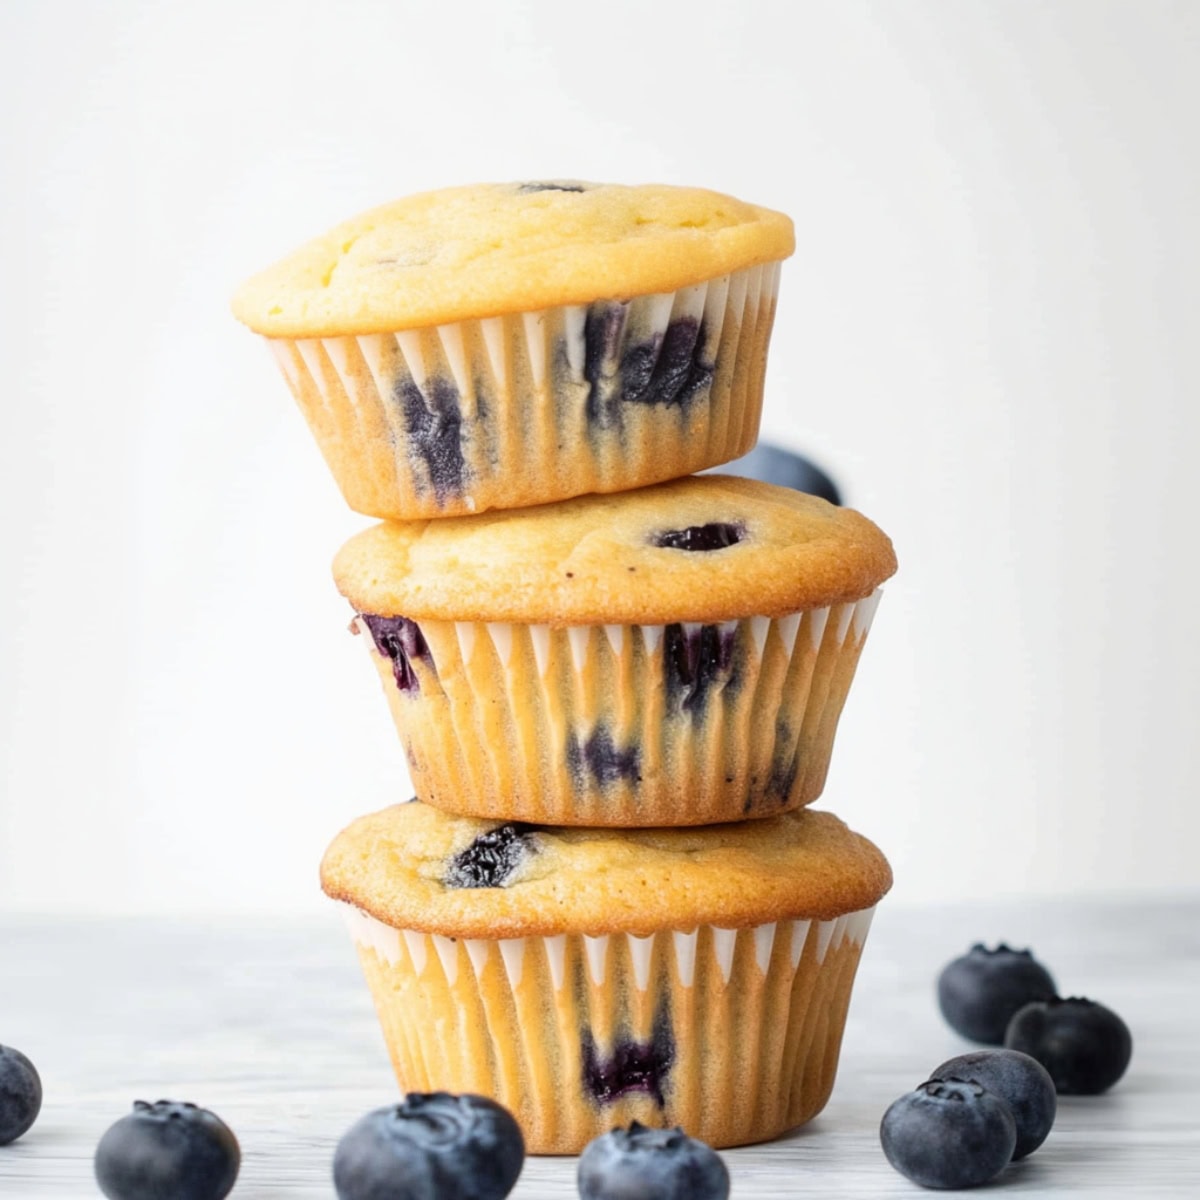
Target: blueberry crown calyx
(1001, 948)
(436, 1118)
(170, 1108)
(650, 1137)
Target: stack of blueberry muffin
(616, 683)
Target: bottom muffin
(585, 978)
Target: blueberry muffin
(503, 345)
(674, 655)
(585, 978)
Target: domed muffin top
(489, 249)
(704, 548)
(414, 867)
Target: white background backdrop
(988, 334)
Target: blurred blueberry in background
(774, 464)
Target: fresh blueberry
(1020, 1081)
(433, 1146)
(492, 859)
(627, 1164)
(979, 992)
(167, 1151)
(20, 1094)
(949, 1134)
(774, 464)
(1085, 1046)
(715, 536)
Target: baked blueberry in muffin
(631, 1064)
(491, 859)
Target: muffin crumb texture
(490, 249)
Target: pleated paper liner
(528, 408)
(617, 725)
(732, 1034)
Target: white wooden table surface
(271, 1026)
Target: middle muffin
(675, 655)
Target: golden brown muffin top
(414, 867)
(621, 558)
(495, 248)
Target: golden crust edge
(875, 556)
(870, 881)
(768, 237)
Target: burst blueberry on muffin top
(413, 867)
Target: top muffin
(492, 249)
(505, 345)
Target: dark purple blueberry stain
(483, 426)
(598, 758)
(400, 640)
(632, 1066)
(786, 760)
(492, 859)
(697, 662)
(774, 464)
(526, 189)
(669, 369)
(602, 329)
(717, 535)
(433, 422)
(785, 764)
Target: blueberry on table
(1020, 1081)
(432, 1146)
(167, 1151)
(979, 992)
(664, 1163)
(949, 1134)
(20, 1094)
(774, 464)
(1083, 1045)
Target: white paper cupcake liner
(732, 1033)
(528, 408)
(615, 725)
